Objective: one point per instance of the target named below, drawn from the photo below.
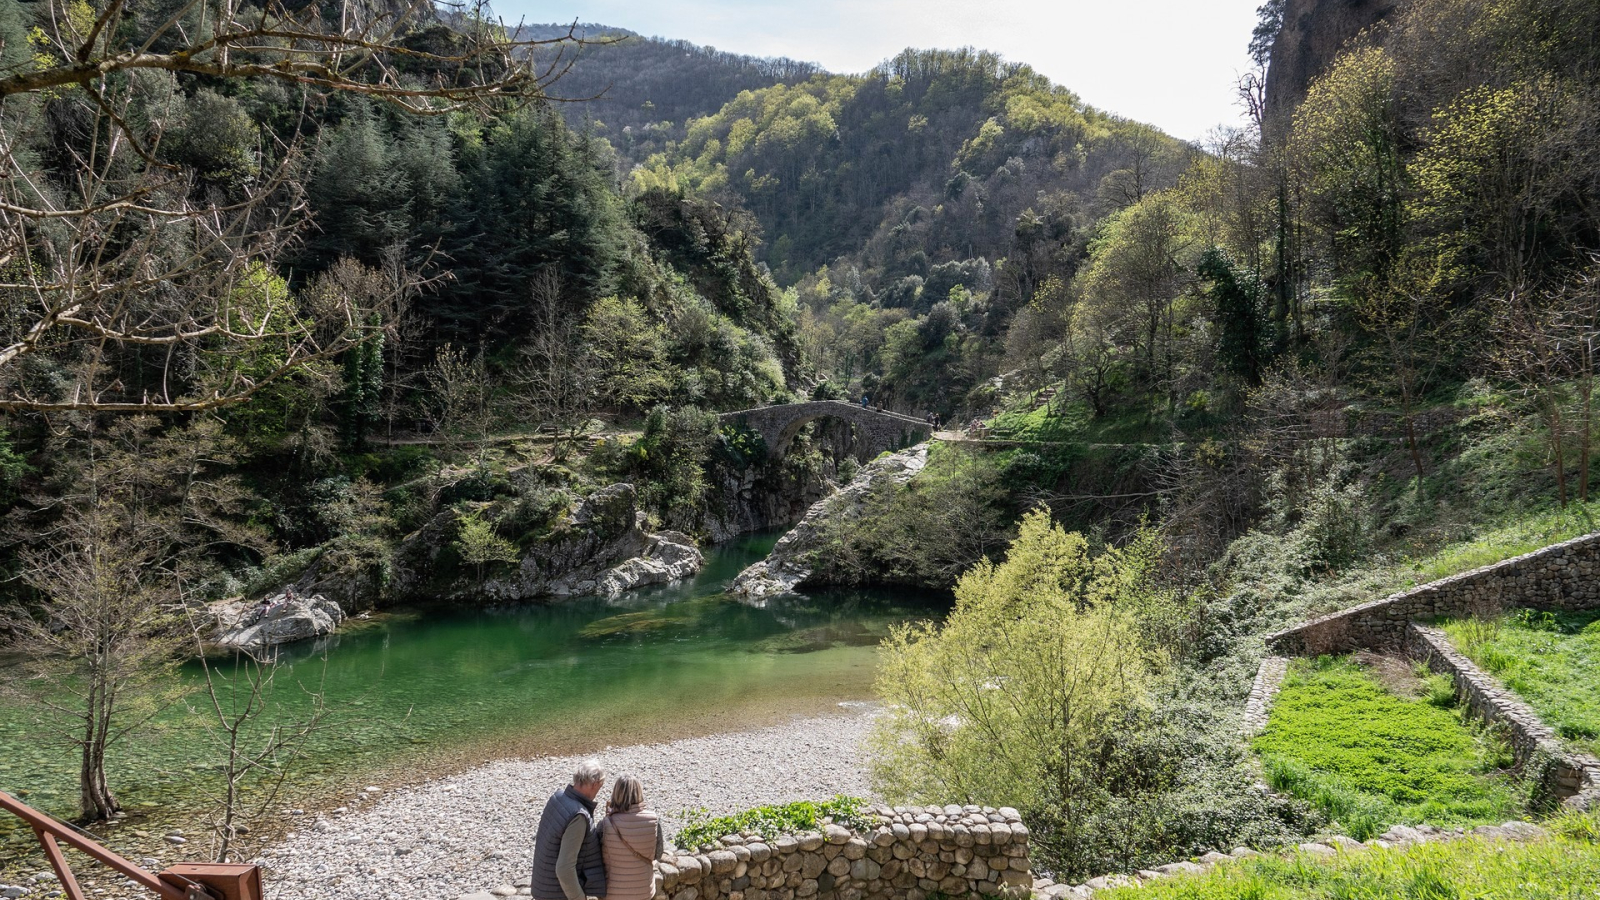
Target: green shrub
(925, 532)
(276, 571)
(667, 464)
(1440, 691)
(1048, 689)
(702, 830)
(1579, 826)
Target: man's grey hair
(589, 772)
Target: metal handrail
(52, 833)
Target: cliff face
(1313, 33)
(793, 559)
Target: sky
(1171, 63)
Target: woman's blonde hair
(626, 794)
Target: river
(418, 691)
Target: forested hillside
(328, 272)
(640, 93)
(273, 322)
(917, 207)
(1312, 370)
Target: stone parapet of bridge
(876, 429)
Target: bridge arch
(876, 429)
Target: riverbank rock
(601, 549)
(281, 619)
(668, 556)
(792, 560)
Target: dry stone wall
(909, 853)
(1562, 775)
(1269, 678)
(1563, 576)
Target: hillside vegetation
(1547, 870)
(1215, 389)
(1321, 369)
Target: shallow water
(413, 689)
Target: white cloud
(1172, 63)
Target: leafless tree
(101, 649)
(1548, 344)
(127, 282)
(555, 376)
(104, 552)
(460, 403)
(1578, 317)
(256, 752)
(1293, 425)
(1402, 320)
(1531, 353)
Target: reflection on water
(650, 665)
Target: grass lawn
(1374, 745)
(1552, 660)
(1554, 869)
(1072, 422)
(1531, 530)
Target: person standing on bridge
(567, 860)
(866, 400)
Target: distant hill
(936, 156)
(641, 91)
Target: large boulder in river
(281, 619)
(793, 558)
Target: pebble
(431, 840)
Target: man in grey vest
(567, 864)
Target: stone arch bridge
(876, 429)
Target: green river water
(413, 693)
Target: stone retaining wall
(1563, 776)
(1269, 678)
(1563, 576)
(909, 854)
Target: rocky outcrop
(668, 556)
(1313, 34)
(763, 497)
(280, 619)
(793, 559)
(601, 549)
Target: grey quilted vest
(558, 814)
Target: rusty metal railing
(184, 881)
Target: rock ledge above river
(603, 548)
(792, 560)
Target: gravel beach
(474, 831)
